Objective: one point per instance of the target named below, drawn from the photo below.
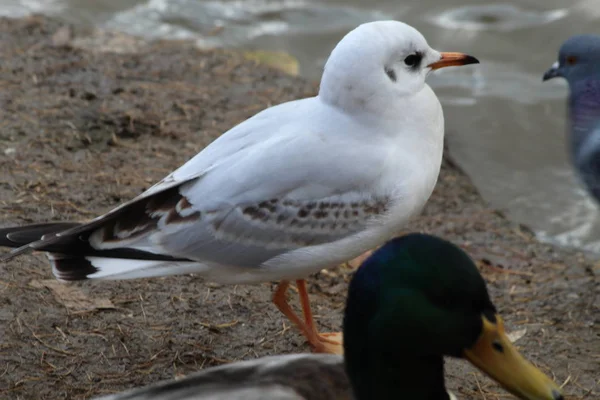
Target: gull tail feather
(73, 258)
(73, 268)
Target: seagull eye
(412, 60)
(571, 60)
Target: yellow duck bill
(495, 355)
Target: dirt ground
(82, 131)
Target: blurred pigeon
(579, 63)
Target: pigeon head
(578, 58)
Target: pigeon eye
(412, 60)
(571, 60)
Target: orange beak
(453, 59)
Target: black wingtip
(22, 238)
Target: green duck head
(419, 298)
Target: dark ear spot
(391, 74)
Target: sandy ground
(83, 130)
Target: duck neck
(410, 378)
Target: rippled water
(505, 127)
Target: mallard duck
(281, 196)
(412, 302)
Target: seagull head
(578, 58)
(379, 62)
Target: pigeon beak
(552, 72)
(452, 59)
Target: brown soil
(82, 131)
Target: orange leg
(331, 341)
(280, 300)
(321, 343)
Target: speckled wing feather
(243, 235)
(243, 200)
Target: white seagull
(299, 187)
